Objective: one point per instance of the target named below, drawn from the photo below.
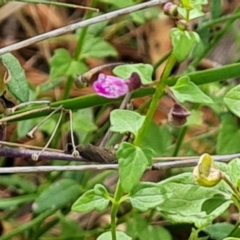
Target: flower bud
(170, 9)
(206, 173)
(178, 115)
(134, 82)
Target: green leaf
(62, 64)
(138, 228)
(132, 162)
(231, 170)
(232, 100)
(145, 71)
(108, 236)
(96, 198)
(229, 135)
(183, 42)
(185, 90)
(219, 231)
(158, 138)
(17, 82)
(145, 196)
(125, 121)
(186, 202)
(97, 48)
(57, 195)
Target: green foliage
(16, 82)
(132, 163)
(123, 121)
(184, 201)
(185, 90)
(176, 198)
(59, 194)
(219, 231)
(97, 48)
(183, 42)
(229, 133)
(144, 71)
(140, 229)
(232, 100)
(145, 196)
(96, 198)
(62, 64)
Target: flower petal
(110, 86)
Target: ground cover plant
(119, 120)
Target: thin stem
(80, 24)
(160, 89)
(115, 206)
(180, 140)
(31, 132)
(224, 178)
(36, 156)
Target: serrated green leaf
(132, 162)
(145, 196)
(186, 202)
(145, 71)
(97, 48)
(17, 82)
(125, 121)
(229, 135)
(108, 236)
(232, 100)
(183, 42)
(96, 198)
(62, 64)
(185, 90)
(57, 195)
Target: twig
(171, 162)
(81, 24)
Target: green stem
(180, 140)
(117, 196)
(224, 178)
(160, 89)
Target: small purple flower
(114, 87)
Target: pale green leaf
(96, 198)
(185, 90)
(132, 162)
(125, 121)
(232, 100)
(145, 71)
